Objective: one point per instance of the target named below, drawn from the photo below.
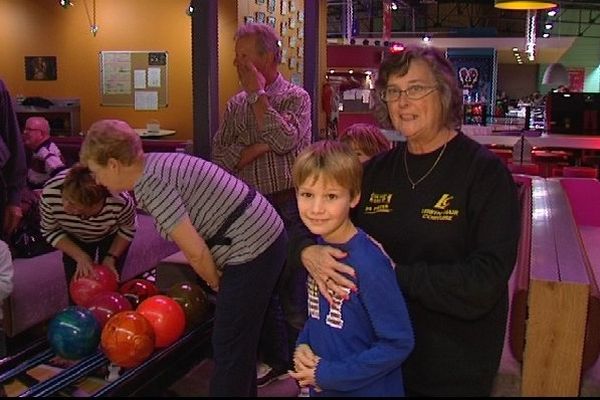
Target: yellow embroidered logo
(379, 203)
(443, 202)
(440, 210)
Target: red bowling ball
(138, 290)
(127, 339)
(83, 289)
(166, 317)
(106, 304)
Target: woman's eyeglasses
(415, 92)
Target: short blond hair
(329, 159)
(111, 138)
(80, 188)
(365, 137)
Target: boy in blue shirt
(356, 345)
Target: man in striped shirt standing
(264, 128)
(83, 219)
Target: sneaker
(271, 376)
(262, 369)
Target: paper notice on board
(116, 74)
(153, 77)
(139, 79)
(146, 100)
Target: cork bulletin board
(287, 17)
(134, 79)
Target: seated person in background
(82, 218)
(356, 345)
(366, 140)
(45, 160)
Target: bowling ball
(192, 299)
(166, 317)
(138, 290)
(83, 289)
(127, 339)
(104, 305)
(74, 333)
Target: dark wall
(518, 80)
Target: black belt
(218, 238)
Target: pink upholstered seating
(525, 168)
(580, 172)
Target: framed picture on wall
(292, 63)
(284, 7)
(271, 5)
(157, 58)
(260, 17)
(284, 26)
(271, 20)
(248, 19)
(260, 1)
(40, 68)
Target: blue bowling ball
(74, 333)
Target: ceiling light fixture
(524, 5)
(556, 74)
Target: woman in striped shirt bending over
(230, 234)
(82, 218)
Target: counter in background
(143, 132)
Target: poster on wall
(476, 73)
(40, 68)
(576, 79)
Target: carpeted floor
(195, 384)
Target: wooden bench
(559, 291)
(584, 198)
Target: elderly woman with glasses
(446, 211)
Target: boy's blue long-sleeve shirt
(364, 340)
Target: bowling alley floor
(195, 384)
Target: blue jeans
(242, 301)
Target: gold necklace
(413, 183)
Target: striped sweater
(174, 185)
(117, 215)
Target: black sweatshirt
(454, 238)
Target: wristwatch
(253, 97)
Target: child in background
(356, 345)
(366, 140)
